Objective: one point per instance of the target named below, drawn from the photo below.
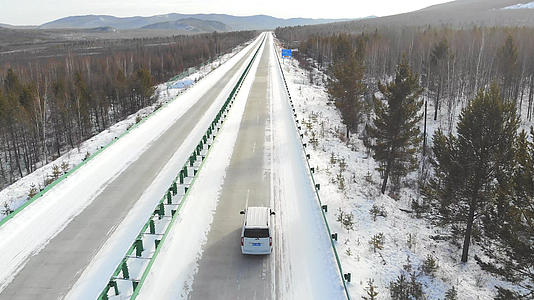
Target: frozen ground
(350, 188)
(17, 193)
(29, 231)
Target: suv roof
(257, 217)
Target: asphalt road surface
(225, 273)
(52, 272)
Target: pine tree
(470, 168)
(512, 224)
(370, 290)
(345, 86)
(395, 125)
(451, 294)
(402, 289)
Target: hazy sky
(36, 12)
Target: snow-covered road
(61, 233)
(257, 159)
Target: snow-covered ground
(16, 194)
(350, 186)
(520, 6)
(28, 232)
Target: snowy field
(350, 186)
(28, 232)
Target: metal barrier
(311, 171)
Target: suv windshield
(256, 233)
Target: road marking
(248, 194)
(254, 147)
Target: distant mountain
(257, 22)
(190, 24)
(459, 13)
(462, 13)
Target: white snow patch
(520, 6)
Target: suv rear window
(256, 233)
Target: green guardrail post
(115, 286)
(182, 176)
(152, 226)
(185, 171)
(134, 285)
(169, 197)
(156, 243)
(125, 272)
(317, 186)
(174, 188)
(205, 138)
(161, 210)
(325, 208)
(139, 247)
(191, 160)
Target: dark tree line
(454, 63)
(50, 105)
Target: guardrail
(159, 220)
(323, 208)
(86, 160)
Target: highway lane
(52, 272)
(224, 273)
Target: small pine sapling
(377, 241)
(370, 290)
(56, 172)
(430, 265)
(451, 294)
(377, 211)
(65, 167)
(33, 191)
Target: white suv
(256, 235)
